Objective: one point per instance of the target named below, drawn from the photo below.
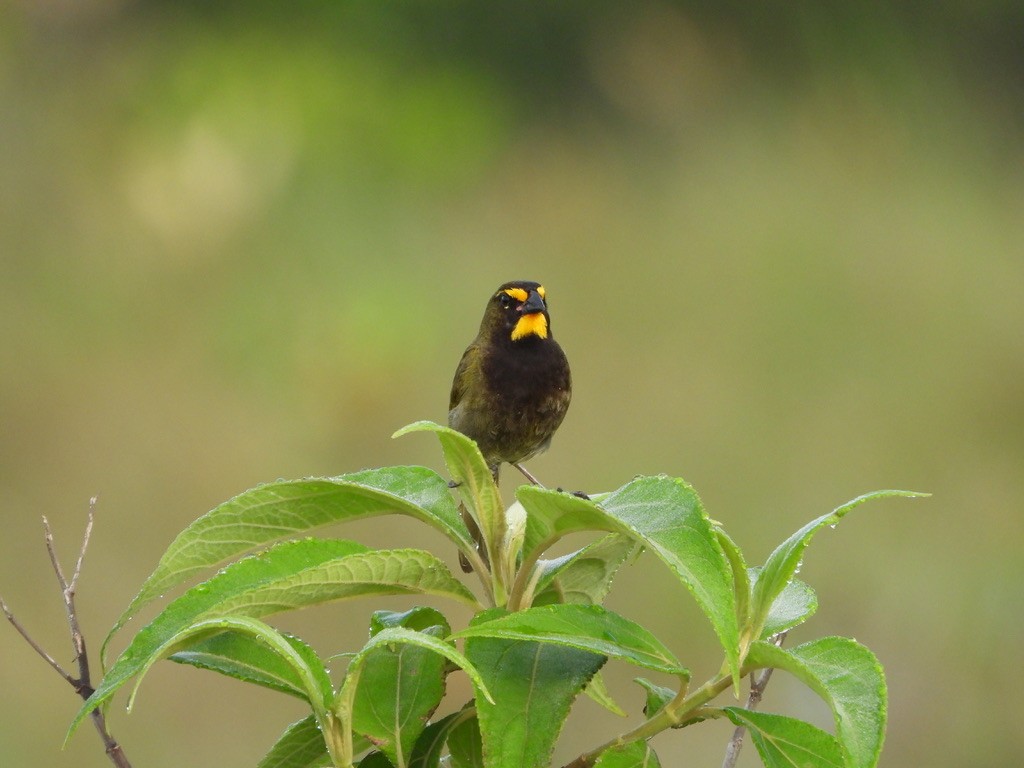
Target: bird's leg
(535, 481)
(527, 475)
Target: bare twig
(85, 542)
(758, 682)
(35, 646)
(82, 684)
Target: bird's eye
(505, 300)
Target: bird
(512, 386)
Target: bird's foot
(577, 494)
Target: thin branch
(82, 684)
(68, 592)
(34, 645)
(54, 560)
(85, 543)
(758, 682)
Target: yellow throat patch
(535, 324)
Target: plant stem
(678, 710)
(338, 747)
(523, 582)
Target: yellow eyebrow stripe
(518, 294)
(541, 291)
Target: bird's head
(518, 311)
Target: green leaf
(431, 743)
(300, 746)
(287, 576)
(399, 688)
(585, 627)
(849, 678)
(783, 562)
(278, 510)
(635, 754)
(465, 745)
(535, 684)
(794, 605)
(418, 619)
(315, 682)
(657, 695)
(665, 515)
(598, 692)
(243, 657)
(393, 635)
(740, 576)
(585, 576)
(476, 486)
(376, 760)
(784, 742)
(360, 672)
(306, 666)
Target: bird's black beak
(534, 303)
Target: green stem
(683, 707)
(340, 716)
(334, 738)
(499, 592)
(483, 573)
(522, 587)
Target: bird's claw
(577, 494)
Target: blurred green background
(783, 246)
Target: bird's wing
(461, 375)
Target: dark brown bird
(513, 386)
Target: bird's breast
(528, 376)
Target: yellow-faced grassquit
(512, 387)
